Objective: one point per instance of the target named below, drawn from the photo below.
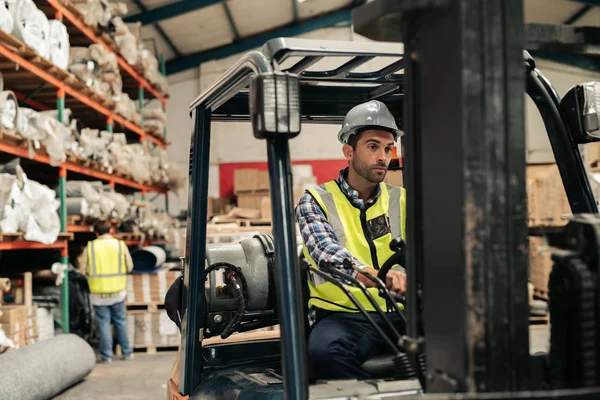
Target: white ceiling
(209, 27)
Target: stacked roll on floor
(44, 369)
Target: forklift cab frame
(241, 94)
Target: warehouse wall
(233, 146)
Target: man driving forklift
(352, 218)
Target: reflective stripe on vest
(350, 225)
(107, 266)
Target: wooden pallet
(245, 222)
(542, 294)
(129, 236)
(153, 349)
(11, 237)
(150, 307)
(539, 320)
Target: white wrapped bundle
(59, 44)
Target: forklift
(456, 90)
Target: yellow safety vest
(107, 265)
(354, 228)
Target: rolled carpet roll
(148, 258)
(77, 206)
(44, 369)
(9, 111)
(59, 44)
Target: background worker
(352, 217)
(106, 262)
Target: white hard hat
(372, 114)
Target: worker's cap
(370, 115)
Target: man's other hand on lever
(395, 280)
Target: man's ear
(348, 151)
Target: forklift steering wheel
(398, 246)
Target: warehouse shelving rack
(47, 87)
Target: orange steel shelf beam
(25, 245)
(74, 93)
(92, 36)
(79, 228)
(22, 152)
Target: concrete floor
(145, 377)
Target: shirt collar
(352, 194)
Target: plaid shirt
(318, 235)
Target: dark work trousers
(340, 342)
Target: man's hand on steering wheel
(396, 282)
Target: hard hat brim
(344, 134)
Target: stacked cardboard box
(19, 323)
(149, 288)
(152, 328)
(546, 198)
(540, 262)
(251, 187)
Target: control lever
(328, 267)
(357, 304)
(392, 298)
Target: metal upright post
(109, 124)
(62, 184)
(141, 105)
(64, 259)
(190, 374)
(287, 271)
(471, 155)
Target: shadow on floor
(143, 378)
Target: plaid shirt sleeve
(319, 237)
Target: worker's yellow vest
(352, 228)
(107, 268)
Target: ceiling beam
(573, 60)
(236, 34)
(251, 42)
(170, 11)
(578, 15)
(589, 2)
(295, 8)
(160, 31)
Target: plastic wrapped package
(6, 18)
(7, 181)
(95, 12)
(32, 27)
(106, 60)
(56, 140)
(126, 41)
(120, 203)
(126, 107)
(178, 179)
(154, 125)
(58, 44)
(9, 110)
(33, 210)
(90, 190)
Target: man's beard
(366, 171)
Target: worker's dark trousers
(340, 342)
